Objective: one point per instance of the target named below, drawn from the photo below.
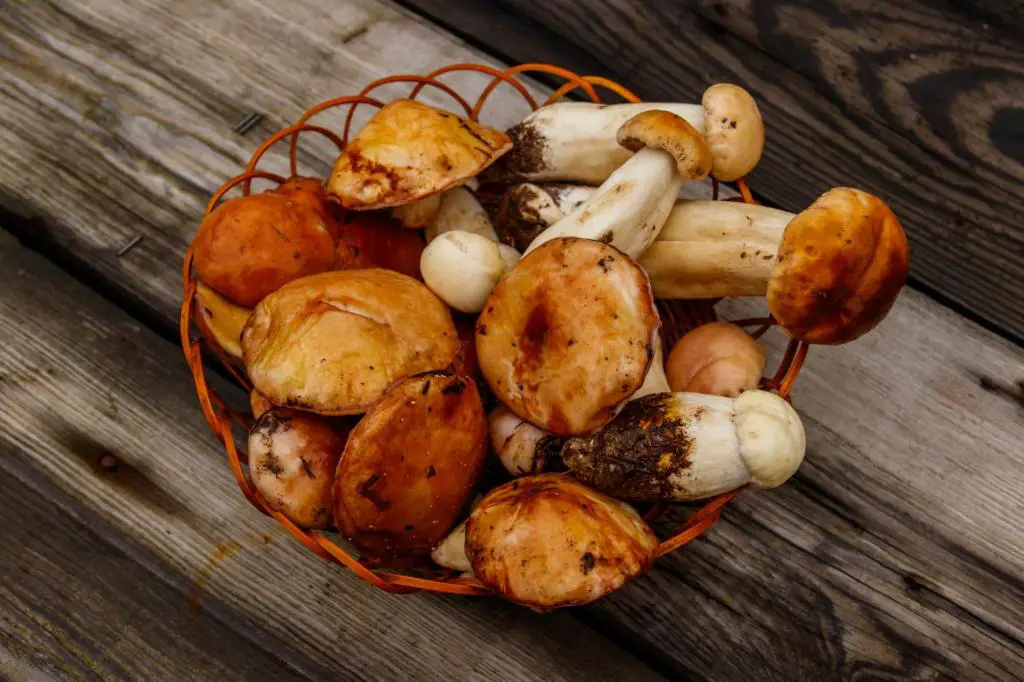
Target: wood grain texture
(79, 380)
(895, 98)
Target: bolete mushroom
(575, 141)
(250, 246)
(460, 210)
(292, 458)
(717, 358)
(689, 446)
(410, 466)
(525, 210)
(831, 273)
(462, 268)
(220, 320)
(370, 239)
(631, 206)
(451, 551)
(259, 404)
(521, 447)
(547, 541)
(656, 381)
(409, 151)
(332, 343)
(568, 335)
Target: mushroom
(292, 458)
(575, 141)
(220, 320)
(370, 239)
(259, 404)
(462, 268)
(831, 273)
(689, 446)
(716, 358)
(521, 447)
(418, 214)
(568, 335)
(332, 343)
(526, 210)
(631, 206)
(251, 246)
(547, 541)
(451, 552)
(460, 210)
(409, 151)
(409, 467)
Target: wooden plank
(82, 602)
(934, 133)
(80, 380)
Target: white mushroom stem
(460, 210)
(576, 140)
(451, 552)
(628, 209)
(419, 213)
(656, 381)
(689, 446)
(521, 447)
(710, 249)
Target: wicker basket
(677, 316)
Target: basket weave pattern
(678, 316)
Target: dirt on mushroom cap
(567, 335)
(410, 466)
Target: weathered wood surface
(919, 102)
(79, 380)
(895, 552)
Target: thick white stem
(460, 210)
(629, 209)
(575, 141)
(709, 249)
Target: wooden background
(896, 552)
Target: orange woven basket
(677, 316)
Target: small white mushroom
(459, 210)
(575, 141)
(689, 446)
(629, 209)
(462, 268)
(521, 447)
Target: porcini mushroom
(371, 239)
(409, 467)
(418, 214)
(462, 268)
(630, 207)
(567, 335)
(521, 447)
(409, 151)
(526, 210)
(575, 141)
(831, 273)
(332, 343)
(547, 541)
(451, 552)
(460, 210)
(689, 446)
(656, 381)
(220, 320)
(292, 458)
(251, 246)
(259, 404)
(716, 358)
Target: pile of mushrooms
(400, 332)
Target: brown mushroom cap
(673, 134)
(568, 334)
(410, 466)
(409, 151)
(734, 130)
(251, 246)
(292, 458)
(547, 541)
(332, 343)
(716, 359)
(841, 265)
